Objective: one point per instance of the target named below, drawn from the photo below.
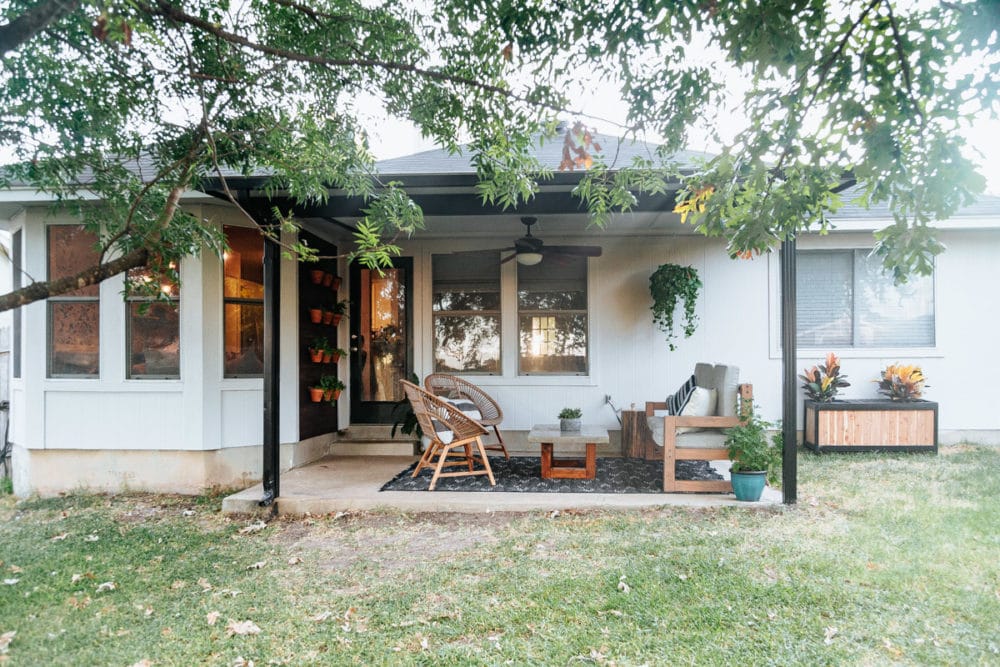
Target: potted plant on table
(755, 454)
(569, 419)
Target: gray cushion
(727, 380)
(707, 439)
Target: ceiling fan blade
(576, 250)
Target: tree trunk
(90, 276)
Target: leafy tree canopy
(873, 92)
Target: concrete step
(372, 448)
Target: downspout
(789, 390)
(272, 331)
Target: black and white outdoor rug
(523, 474)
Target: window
(74, 317)
(845, 299)
(152, 330)
(552, 317)
(243, 302)
(466, 312)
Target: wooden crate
(871, 425)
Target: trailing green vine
(667, 285)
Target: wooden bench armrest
(654, 405)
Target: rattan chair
(450, 386)
(438, 418)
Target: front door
(381, 339)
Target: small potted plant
(315, 315)
(755, 454)
(317, 349)
(316, 393)
(335, 284)
(316, 276)
(569, 419)
(338, 311)
(328, 279)
(331, 387)
(822, 382)
(902, 383)
(336, 353)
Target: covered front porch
(351, 482)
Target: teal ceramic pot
(749, 485)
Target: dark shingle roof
(615, 151)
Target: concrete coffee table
(547, 435)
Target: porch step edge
(372, 448)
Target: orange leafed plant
(578, 143)
(824, 381)
(902, 383)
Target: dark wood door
(381, 339)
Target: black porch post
(272, 322)
(789, 390)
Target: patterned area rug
(523, 474)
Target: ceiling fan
(529, 250)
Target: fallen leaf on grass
(59, 538)
(79, 603)
(829, 634)
(5, 640)
(240, 661)
(205, 586)
(187, 513)
(211, 617)
(145, 662)
(294, 560)
(241, 628)
(253, 528)
(178, 584)
(106, 586)
(622, 586)
(257, 566)
(91, 538)
(322, 616)
(11, 582)
(78, 577)
(14, 568)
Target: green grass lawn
(886, 559)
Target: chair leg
(503, 447)
(437, 469)
(486, 461)
(425, 460)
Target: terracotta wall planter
(315, 394)
(870, 425)
(315, 356)
(316, 276)
(335, 283)
(315, 315)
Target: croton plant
(822, 382)
(901, 383)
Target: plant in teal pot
(756, 456)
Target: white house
(107, 397)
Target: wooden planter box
(871, 425)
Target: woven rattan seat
(451, 386)
(455, 440)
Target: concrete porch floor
(344, 482)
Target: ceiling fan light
(529, 258)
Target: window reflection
(243, 302)
(74, 317)
(552, 316)
(466, 310)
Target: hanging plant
(667, 285)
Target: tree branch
(87, 277)
(32, 22)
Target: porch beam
(789, 390)
(272, 331)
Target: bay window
(73, 317)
